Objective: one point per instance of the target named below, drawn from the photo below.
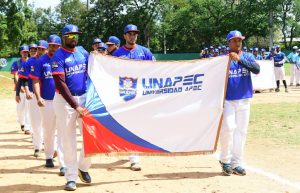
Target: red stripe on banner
(98, 139)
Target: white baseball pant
(293, 73)
(36, 123)
(233, 133)
(23, 112)
(50, 140)
(279, 73)
(66, 118)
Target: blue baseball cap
(263, 50)
(70, 29)
(211, 47)
(251, 49)
(278, 46)
(97, 41)
(54, 39)
(32, 46)
(216, 50)
(102, 46)
(245, 48)
(256, 49)
(223, 47)
(131, 27)
(42, 44)
(24, 48)
(234, 34)
(273, 48)
(113, 40)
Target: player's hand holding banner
(154, 108)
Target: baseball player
(95, 44)
(22, 103)
(69, 68)
(44, 89)
(237, 105)
(216, 52)
(131, 50)
(32, 50)
(256, 55)
(34, 111)
(113, 44)
(292, 59)
(279, 60)
(263, 53)
(102, 48)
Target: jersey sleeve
(35, 70)
(149, 55)
(57, 64)
(14, 68)
(24, 70)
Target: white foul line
(269, 175)
(4, 76)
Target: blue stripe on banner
(99, 112)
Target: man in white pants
(237, 106)
(34, 110)
(293, 59)
(69, 70)
(22, 103)
(279, 60)
(44, 89)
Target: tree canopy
(171, 25)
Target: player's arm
(250, 64)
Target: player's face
(24, 54)
(95, 46)
(33, 52)
(131, 37)
(111, 47)
(41, 51)
(53, 48)
(71, 40)
(235, 44)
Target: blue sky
(44, 3)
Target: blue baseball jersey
(292, 57)
(137, 53)
(84, 52)
(25, 69)
(16, 66)
(258, 57)
(278, 58)
(270, 56)
(239, 84)
(74, 66)
(42, 71)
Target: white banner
(154, 106)
(266, 77)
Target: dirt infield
(270, 167)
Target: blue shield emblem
(127, 88)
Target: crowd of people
(50, 79)
(274, 54)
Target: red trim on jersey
(22, 76)
(70, 51)
(33, 77)
(129, 49)
(57, 73)
(14, 72)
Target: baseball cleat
(37, 153)
(84, 177)
(70, 186)
(62, 171)
(226, 168)
(239, 171)
(277, 90)
(135, 167)
(49, 163)
(22, 127)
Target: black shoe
(277, 90)
(226, 168)
(239, 171)
(84, 177)
(49, 163)
(22, 127)
(62, 171)
(70, 186)
(37, 153)
(135, 167)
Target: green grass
(278, 123)
(6, 85)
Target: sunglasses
(72, 36)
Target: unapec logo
(127, 88)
